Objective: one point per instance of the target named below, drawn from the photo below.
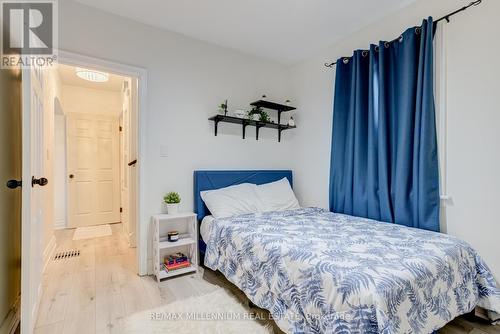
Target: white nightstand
(187, 226)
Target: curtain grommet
(377, 48)
(364, 53)
(417, 30)
(346, 60)
(386, 45)
(400, 39)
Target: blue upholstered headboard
(210, 179)
(216, 179)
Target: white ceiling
(283, 30)
(68, 76)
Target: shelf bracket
(257, 128)
(216, 123)
(244, 126)
(279, 133)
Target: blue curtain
(384, 162)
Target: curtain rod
(446, 17)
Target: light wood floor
(92, 293)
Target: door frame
(75, 59)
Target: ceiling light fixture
(91, 75)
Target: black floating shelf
(246, 122)
(271, 105)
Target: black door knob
(71, 176)
(41, 181)
(13, 184)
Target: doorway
(95, 141)
(42, 109)
(94, 188)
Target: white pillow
(277, 196)
(231, 201)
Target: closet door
(93, 170)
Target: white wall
(76, 99)
(473, 78)
(473, 109)
(187, 80)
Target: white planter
(172, 209)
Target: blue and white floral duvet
(320, 272)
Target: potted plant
(264, 117)
(254, 114)
(223, 108)
(172, 199)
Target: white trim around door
(74, 59)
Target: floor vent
(67, 254)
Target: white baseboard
(60, 224)
(48, 252)
(150, 267)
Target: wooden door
(93, 168)
(32, 194)
(10, 198)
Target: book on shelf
(175, 259)
(177, 266)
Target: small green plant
(264, 117)
(172, 198)
(223, 107)
(256, 110)
(249, 115)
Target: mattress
(321, 272)
(205, 228)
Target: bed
(322, 272)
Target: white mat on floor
(92, 232)
(216, 312)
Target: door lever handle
(13, 184)
(41, 181)
(132, 163)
